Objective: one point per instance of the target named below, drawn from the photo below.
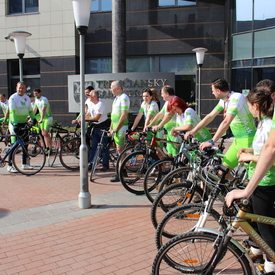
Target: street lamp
(200, 57)
(19, 38)
(82, 10)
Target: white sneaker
(27, 167)
(11, 169)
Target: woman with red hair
(186, 119)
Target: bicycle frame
(241, 221)
(11, 149)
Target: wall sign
(133, 85)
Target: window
(101, 5)
(177, 3)
(31, 73)
(242, 16)
(264, 13)
(23, 6)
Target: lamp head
(19, 38)
(200, 55)
(82, 11)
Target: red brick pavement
(120, 241)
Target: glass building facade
(253, 43)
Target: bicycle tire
(126, 151)
(177, 194)
(53, 152)
(184, 218)
(95, 161)
(133, 169)
(36, 161)
(192, 252)
(154, 175)
(69, 154)
(178, 175)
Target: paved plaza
(43, 231)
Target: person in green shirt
(19, 110)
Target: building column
(118, 36)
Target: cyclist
(148, 108)
(165, 118)
(119, 118)
(236, 116)
(42, 104)
(97, 114)
(87, 104)
(19, 109)
(4, 103)
(186, 119)
(263, 197)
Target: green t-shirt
(120, 103)
(20, 108)
(242, 126)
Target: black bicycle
(23, 159)
(113, 156)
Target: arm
(207, 119)
(43, 114)
(137, 120)
(166, 119)
(186, 127)
(6, 117)
(148, 118)
(156, 119)
(220, 131)
(95, 118)
(265, 161)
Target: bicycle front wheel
(185, 218)
(133, 169)
(95, 161)
(25, 161)
(191, 253)
(69, 154)
(177, 194)
(154, 175)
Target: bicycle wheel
(191, 253)
(133, 169)
(53, 152)
(184, 218)
(95, 161)
(126, 152)
(154, 175)
(69, 154)
(172, 196)
(27, 163)
(175, 176)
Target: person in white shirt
(97, 114)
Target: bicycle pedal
(260, 270)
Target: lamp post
(200, 57)
(19, 38)
(82, 10)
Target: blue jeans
(96, 136)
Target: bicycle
(22, 155)
(189, 217)
(59, 136)
(211, 252)
(134, 142)
(135, 165)
(161, 168)
(183, 185)
(98, 156)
